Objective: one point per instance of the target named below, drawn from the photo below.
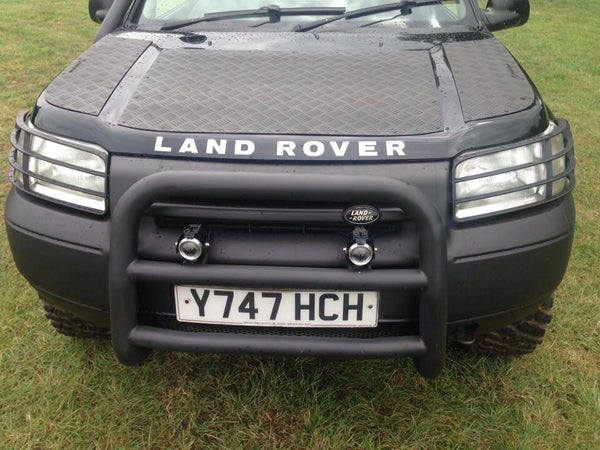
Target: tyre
(69, 325)
(521, 337)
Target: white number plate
(216, 305)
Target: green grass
(61, 393)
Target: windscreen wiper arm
(273, 12)
(366, 12)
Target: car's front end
(343, 191)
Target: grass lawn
(56, 392)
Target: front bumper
(496, 271)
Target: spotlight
(360, 255)
(360, 250)
(192, 245)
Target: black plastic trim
(273, 215)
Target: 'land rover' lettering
(280, 149)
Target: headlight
(58, 169)
(513, 178)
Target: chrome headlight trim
(58, 169)
(514, 177)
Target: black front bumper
(496, 271)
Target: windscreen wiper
(403, 6)
(273, 12)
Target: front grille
(301, 235)
(177, 213)
(270, 227)
(383, 330)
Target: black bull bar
(132, 342)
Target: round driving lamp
(190, 249)
(360, 254)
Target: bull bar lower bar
(132, 342)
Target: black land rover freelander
(319, 177)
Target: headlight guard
(58, 169)
(513, 177)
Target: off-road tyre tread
(70, 325)
(519, 338)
